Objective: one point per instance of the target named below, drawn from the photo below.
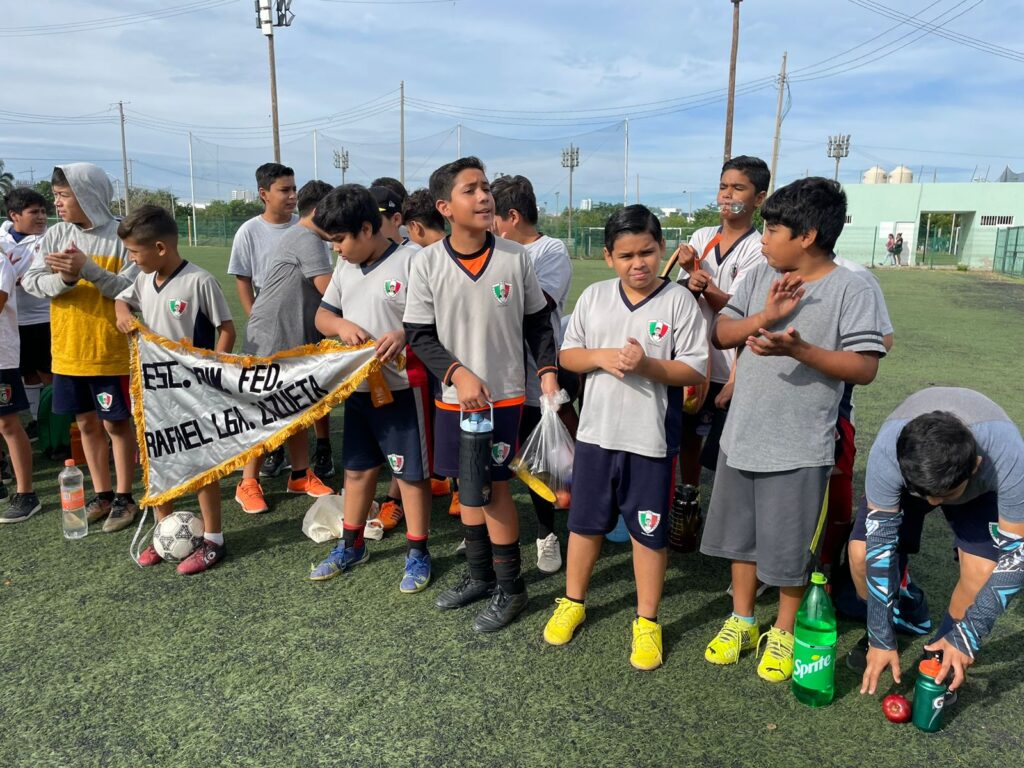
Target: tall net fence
(1009, 255)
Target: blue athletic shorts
(107, 395)
(12, 392)
(394, 433)
(969, 522)
(606, 483)
(504, 444)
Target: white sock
(216, 538)
(747, 619)
(32, 392)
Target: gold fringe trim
(316, 412)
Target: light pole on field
(731, 100)
(838, 148)
(270, 14)
(341, 162)
(570, 160)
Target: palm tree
(6, 180)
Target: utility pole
(316, 167)
(401, 130)
(341, 162)
(124, 158)
(192, 191)
(458, 140)
(570, 160)
(689, 198)
(266, 21)
(731, 101)
(558, 210)
(625, 167)
(778, 124)
(838, 148)
(638, 189)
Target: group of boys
(772, 329)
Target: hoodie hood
(93, 190)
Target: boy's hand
(878, 661)
(389, 345)
(125, 318)
(687, 256)
(723, 398)
(783, 298)
(785, 343)
(608, 360)
(351, 334)
(631, 356)
(700, 281)
(549, 383)
(472, 392)
(952, 658)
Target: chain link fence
(1009, 255)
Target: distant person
(890, 243)
(254, 244)
(897, 249)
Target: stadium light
(270, 14)
(838, 148)
(570, 160)
(341, 162)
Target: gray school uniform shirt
(252, 247)
(283, 315)
(636, 414)
(187, 305)
(374, 298)
(554, 272)
(999, 445)
(783, 413)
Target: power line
(114, 21)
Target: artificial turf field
(102, 664)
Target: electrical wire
(114, 21)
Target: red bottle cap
(930, 667)
(69, 462)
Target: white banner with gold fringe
(201, 415)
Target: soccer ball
(177, 535)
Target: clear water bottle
(476, 437)
(814, 649)
(72, 502)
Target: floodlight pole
(778, 124)
(731, 101)
(570, 160)
(266, 22)
(838, 148)
(625, 166)
(192, 189)
(316, 168)
(341, 162)
(401, 128)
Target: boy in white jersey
(177, 300)
(473, 299)
(515, 218)
(365, 300)
(639, 340)
(712, 267)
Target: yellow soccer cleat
(735, 637)
(646, 653)
(777, 663)
(567, 616)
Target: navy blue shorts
(12, 392)
(607, 483)
(504, 444)
(969, 522)
(394, 433)
(107, 395)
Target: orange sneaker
(439, 487)
(249, 494)
(311, 485)
(454, 509)
(391, 514)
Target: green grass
(102, 664)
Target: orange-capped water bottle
(74, 521)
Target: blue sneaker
(910, 614)
(340, 560)
(417, 572)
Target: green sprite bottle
(814, 650)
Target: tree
(6, 180)
(45, 189)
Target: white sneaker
(549, 554)
(761, 589)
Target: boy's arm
(246, 294)
(3, 300)
(853, 367)
(733, 326)
(40, 280)
(540, 338)
(329, 322)
(226, 337)
(110, 284)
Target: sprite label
(813, 665)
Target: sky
(933, 84)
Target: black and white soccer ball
(177, 535)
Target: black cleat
(857, 657)
(501, 611)
(467, 591)
(274, 464)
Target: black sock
(508, 566)
(574, 600)
(649, 618)
(125, 497)
(105, 495)
(298, 474)
(454, 483)
(396, 499)
(416, 543)
(478, 552)
(323, 444)
(545, 516)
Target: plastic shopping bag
(544, 462)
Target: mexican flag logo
(501, 292)
(648, 520)
(391, 288)
(177, 307)
(105, 399)
(657, 330)
(500, 452)
(6, 394)
(396, 462)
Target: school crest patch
(396, 462)
(177, 307)
(392, 288)
(648, 520)
(501, 292)
(657, 330)
(500, 452)
(105, 399)
(6, 394)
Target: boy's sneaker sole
(20, 508)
